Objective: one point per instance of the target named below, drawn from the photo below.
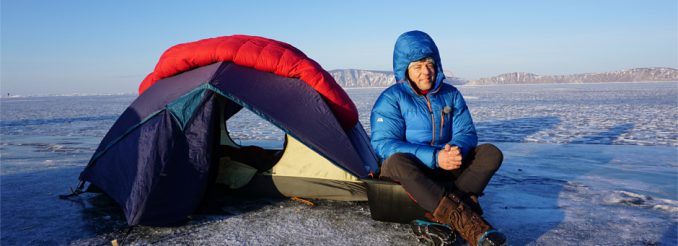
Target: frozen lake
(584, 164)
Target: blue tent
(157, 158)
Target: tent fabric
(261, 54)
(312, 188)
(337, 190)
(294, 107)
(157, 159)
(300, 172)
(156, 98)
(299, 161)
(158, 169)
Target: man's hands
(449, 158)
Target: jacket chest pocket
(445, 120)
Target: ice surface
(591, 164)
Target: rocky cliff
(349, 78)
(628, 75)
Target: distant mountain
(362, 78)
(349, 78)
(628, 75)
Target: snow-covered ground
(591, 164)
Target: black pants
(427, 186)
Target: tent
(168, 146)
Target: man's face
(422, 74)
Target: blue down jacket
(404, 121)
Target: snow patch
(640, 200)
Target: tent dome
(261, 54)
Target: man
(423, 132)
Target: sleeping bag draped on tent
(158, 158)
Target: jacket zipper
(430, 111)
(433, 122)
(442, 122)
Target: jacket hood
(412, 46)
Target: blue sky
(55, 47)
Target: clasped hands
(449, 158)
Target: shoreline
(577, 83)
(345, 88)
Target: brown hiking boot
(452, 211)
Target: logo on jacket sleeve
(447, 109)
(380, 119)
